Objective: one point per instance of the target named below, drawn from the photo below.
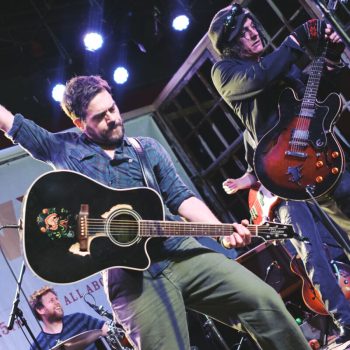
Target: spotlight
(93, 41)
(57, 92)
(181, 22)
(120, 75)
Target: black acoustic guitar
(301, 151)
(75, 227)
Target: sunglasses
(235, 11)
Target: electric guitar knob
(335, 171)
(335, 154)
(319, 179)
(319, 164)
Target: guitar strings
(119, 226)
(304, 121)
(102, 222)
(181, 223)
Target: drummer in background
(56, 327)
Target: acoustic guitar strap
(147, 171)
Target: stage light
(120, 75)
(93, 41)
(57, 92)
(181, 22)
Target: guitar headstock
(273, 230)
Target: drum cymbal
(79, 341)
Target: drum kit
(79, 341)
(116, 339)
(205, 335)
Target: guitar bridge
(296, 154)
(298, 143)
(82, 230)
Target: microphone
(268, 269)
(276, 265)
(100, 310)
(13, 314)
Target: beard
(117, 135)
(56, 315)
(110, 138)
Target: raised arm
(6, 119)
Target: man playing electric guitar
(251, 81)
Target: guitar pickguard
(318, 138)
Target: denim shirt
(75, 151)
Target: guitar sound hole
(122, 227)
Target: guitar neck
(150, 228)
(313, 82)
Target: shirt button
(130, 160)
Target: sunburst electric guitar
(301, 151)
(261, 204)
(75, 227)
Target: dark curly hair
(79, 92)
(35, 300)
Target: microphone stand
(268, 270)
(328, 222)
(114, 334)
(16, 312)
(209, 325)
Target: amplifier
(271, 262)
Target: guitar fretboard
(170, 228)
(152, 228)
(310, 95)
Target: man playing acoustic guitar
(251, 82)
(151, 304)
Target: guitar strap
(147, 172)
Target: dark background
(41, 44)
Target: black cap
(226, 25)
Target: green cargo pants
(153, 310)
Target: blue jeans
(338, 207)
(307, 224)
(342, 194)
